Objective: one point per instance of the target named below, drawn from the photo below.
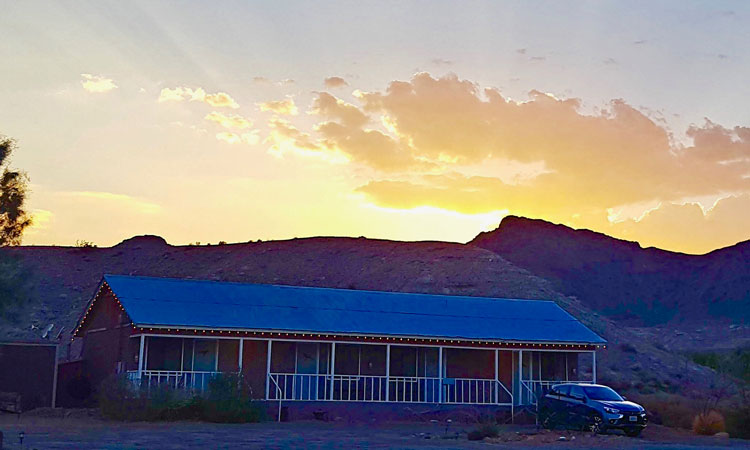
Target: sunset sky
(431, 120)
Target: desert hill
(65, 278)
(636, 286)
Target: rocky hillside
(64, 280)
(643, 287)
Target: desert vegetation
(14, 278)
(225, 401)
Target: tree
(14, 279)
(13, 188)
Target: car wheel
(633, 432)
(595, 424)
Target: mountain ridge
(634, 285)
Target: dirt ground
(83, 432)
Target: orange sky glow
(237, 128)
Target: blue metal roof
(169, 302)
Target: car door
(562, 405)
(578, 411)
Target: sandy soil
(91, 433)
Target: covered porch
(315, 369)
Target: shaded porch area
(315, 371)
(298, 370)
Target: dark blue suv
(591, 407)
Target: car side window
(576, 392)
(564, 390)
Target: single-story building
(335, 345)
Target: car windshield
(602, 393)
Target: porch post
(387, 372)
(539, 364)
(520, 377)
(333, 367)
(216, 362)
(145, 355)
(440, 374)
(140, 356)
(268, 370)
(496, 378)
(239, 357)
(593, 354)
(192, 358)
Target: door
(205, 355)
(306, 371)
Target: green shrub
(228, 400)
(225, 400)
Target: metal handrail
(278, 390)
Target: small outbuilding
(333, 345)
(28, 375)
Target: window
(576, 392)
(602, 393)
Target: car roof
(580, 384)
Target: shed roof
(168, 302)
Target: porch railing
(176, 379)
(476, 391)
(379, 388)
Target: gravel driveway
(88, 433)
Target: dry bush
(670, 410)
(708, 423)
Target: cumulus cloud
(334, 82)
(285, 107)
(228, 121)
(286, 139)
(617, 156)
(432, 142)
(97, 83)
(180, 93)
